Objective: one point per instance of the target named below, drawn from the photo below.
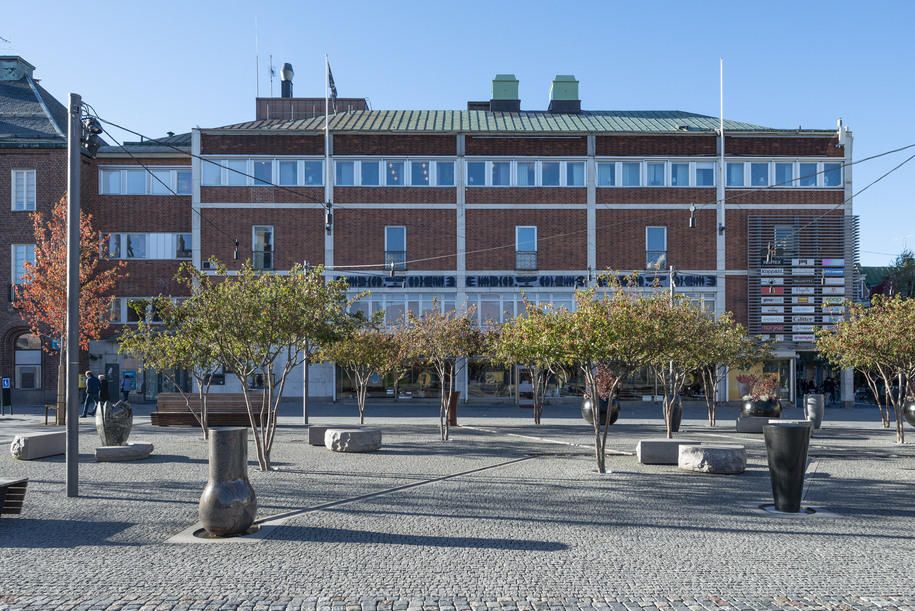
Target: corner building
(488, 205)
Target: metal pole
(673, 283)
(306, 364)
(72, 340)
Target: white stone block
(352, 440)
(30, 446)
(316, 432)
(713, 459)
(661, 451)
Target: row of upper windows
(149, 246)
(157, 181)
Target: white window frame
(563, 165)
(389, 228)
(647, 250)
(27, 177)
(150, 182)
(16, 261)
(518, 230)
(225, 174)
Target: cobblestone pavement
(506, 515)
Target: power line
(746, 191)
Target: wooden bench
(12, 494)
(223, 409)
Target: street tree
(367, 350)
(42, 297)
(261, 323)
(444, 341)
(877, 341)
(182, 340)
(531, 341)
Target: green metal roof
(481, 121)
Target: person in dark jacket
(92, 390)
(829, 389)
(103, 397)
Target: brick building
(488, 205)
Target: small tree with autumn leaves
(443, 341)
(877, 341)
(42, 298)
(529, 340)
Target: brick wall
(621, 238)
(802, 146)
(431, 234)
(649, 195)
(576, 146)
(261, 144)
(395, 195)
(561, 238)
(394, 144)
(526, 195)
(687, 145)
(262, 195)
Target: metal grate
(397, 257)
(525, 260)
(801, 271)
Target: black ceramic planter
(228, 504)
(786, 450)
(587, 411)
(908, 412)
(676, 409)
(762, 409)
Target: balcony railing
(397, 257)
(525, 260)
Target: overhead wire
(728, 200)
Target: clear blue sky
(169, 66)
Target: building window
(263, 172)
(395, 248)
(114, 310)
(23, 190)
(22, 254)
(501, 173)
(785, 241)
(655, 174)
(734, 174)
(807, 176)
(135, 246)
(832, 174)
(575, 173)
(345, 173)
(371, 177)
(314, 173)
(236, 172)
(212, 173)
(136, 182)
(784, 174)
(476, 173)
(263, 247)
(289, 173)
(393, 175)
(632, 174)
(527, 173)
(655, 247)
(549, 173)
(525, 248)
(606, 174)
(183, 245)
(705, 174)
(759, 174)
(445, 174)
(28, 362)
(419, 173)
(679, 175)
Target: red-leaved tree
(42, 298)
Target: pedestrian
(125, 388)
(103, 396)
(92, 390)
(829, 389)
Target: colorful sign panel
(833, 262)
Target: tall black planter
(786, 450)
(676, 409)
(587, 411)
(228, 504)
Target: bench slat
(12, 496)
(223, 409)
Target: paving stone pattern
(507, 515)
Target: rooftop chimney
(286, 82)
(564, 94)
(14, 68)
(505, 94)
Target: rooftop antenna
(257, 61)
(272, 70)
(904, 241)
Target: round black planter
(908, 412)
(676, 414)
(587, 412)
(763, 409)
(786, 451)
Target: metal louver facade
(802, 269)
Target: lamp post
(74, 135)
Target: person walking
(829, 389)
(92, 390)
(125, 388)
(103, 396)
